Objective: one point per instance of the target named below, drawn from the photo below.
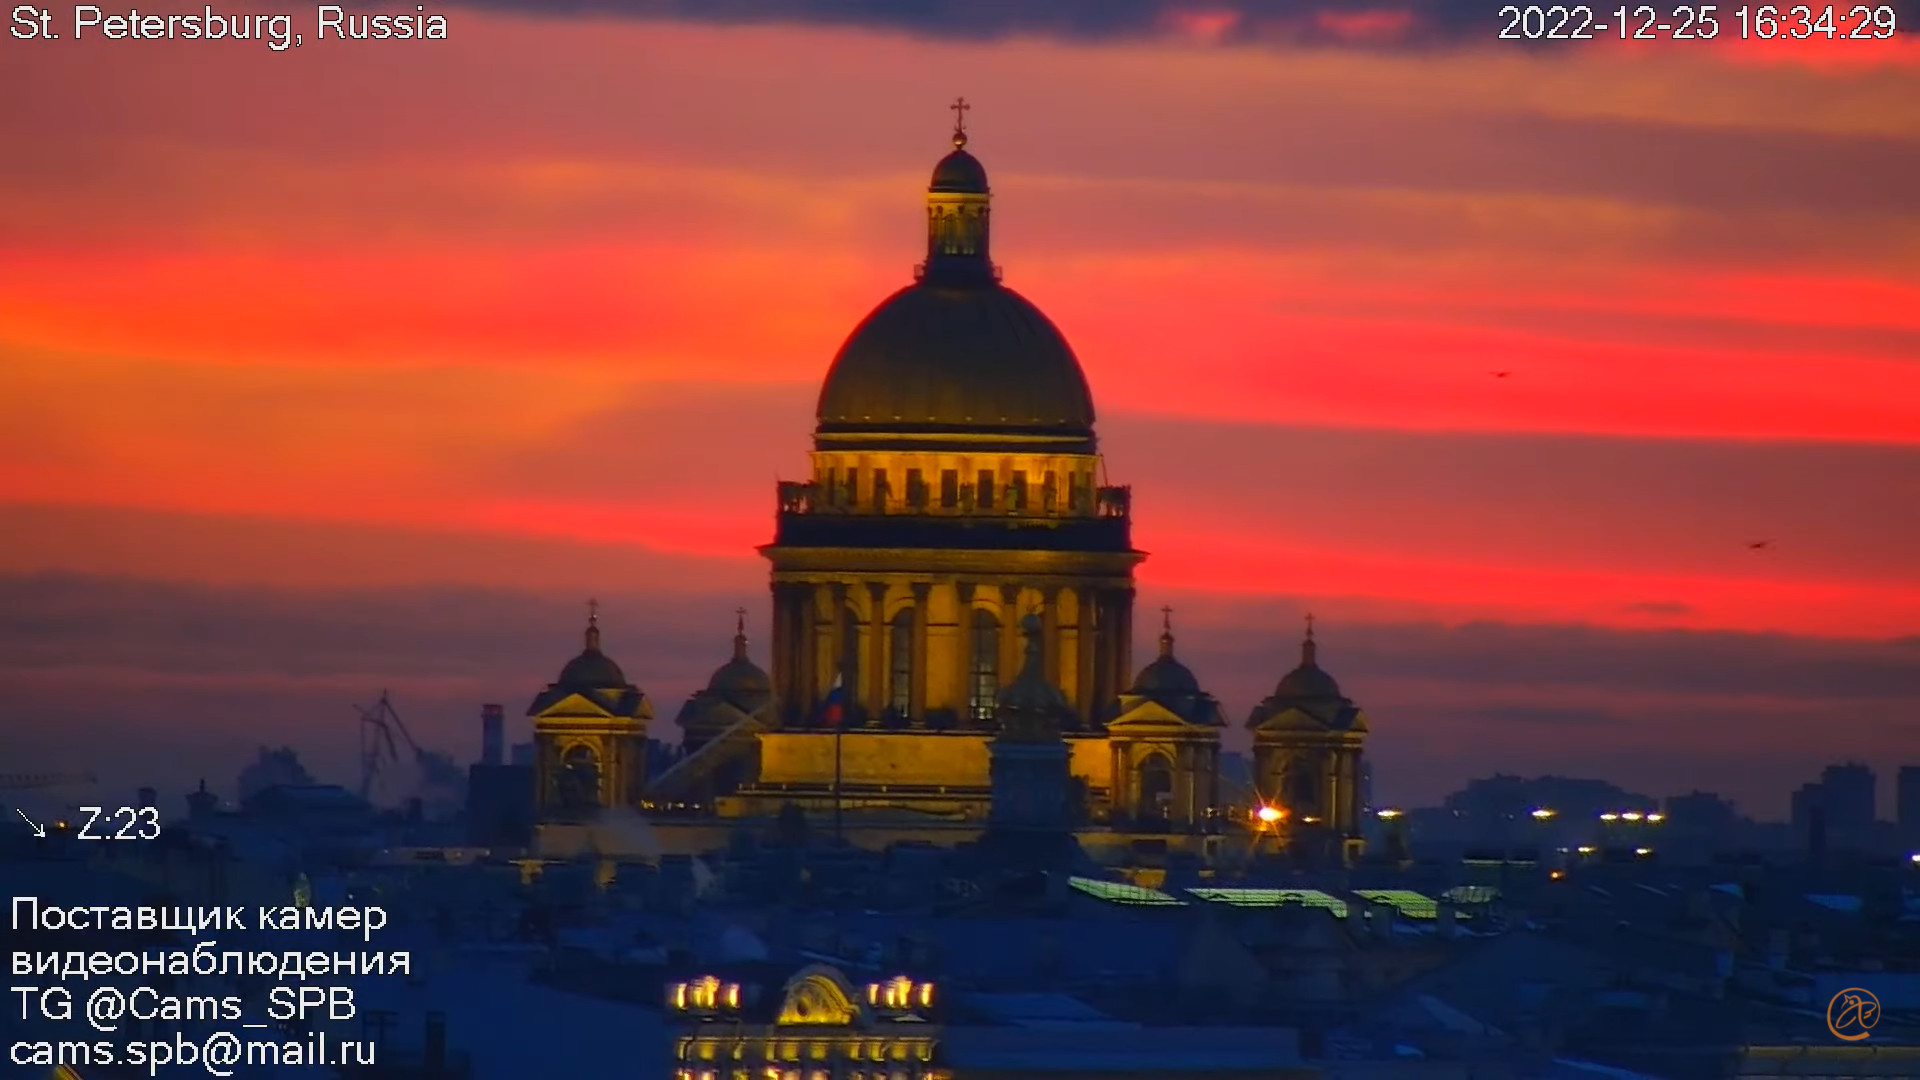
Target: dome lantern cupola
(592, 669)
(957, 209)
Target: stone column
(836, 643)
(1050, 633)
(1083, 646)
(1213, 778)
(963, 653)
(878, 637)
(1123, 641)
(1010, 650)
(918, 709)
(786, 646)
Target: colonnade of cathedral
(933, 652)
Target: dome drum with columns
(953, 593)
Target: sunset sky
(364, 365)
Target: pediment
(1143, 716)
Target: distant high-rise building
(1848, 797)
(493, 734)
(1907, 810)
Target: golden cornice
(946, 564)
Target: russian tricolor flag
(834, 708)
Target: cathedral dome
(1307, 683)
(959, 173)
(740, 676)
(950, 358)
(1308, 691)
(1166, 675)
(594, 676)
(592, 670)
(957, 352)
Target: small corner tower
(1307, 742)
(589, 733)
(1166, 747)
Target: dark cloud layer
(1226, 21)
(152, 682)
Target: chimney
(493, 735)
(436, 1044)
(1381, 918)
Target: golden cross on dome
(593, 612)
(1166, 618)
(960, 109)
(740, 619)
(1309, 624)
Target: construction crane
(377, 748)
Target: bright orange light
(1557, 875)
(1267, 815)
(1389, 814)
(1542, 814)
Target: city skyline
(320, 396)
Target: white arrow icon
(37, 830)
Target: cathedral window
(881, 490)
(853, 487)
(916, 490)
(949, 488)
(900, 674)
(1017, 498)
(983, 497)
(983, 665)
(579, 779)
(1050, 491)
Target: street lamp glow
(1643, 851)
(1632, 815)
(1269, 814)
(1656, 818)
(1542, 814)
(1388, 814)
(1609, 816)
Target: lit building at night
(957, 496)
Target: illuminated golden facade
(957, 488)
(589, 734)
(820, 1029)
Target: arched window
(579, 779)
(900, 664)
(983, 665)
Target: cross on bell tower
(960, 109)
